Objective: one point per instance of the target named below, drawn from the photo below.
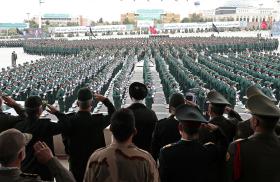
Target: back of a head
(138, 91)
(218, 109)
(176, 100)
(122, 124)
(84, 98)
(11, 142)
(32, 105)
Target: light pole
(40, 20)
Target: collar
(10, 171)
(121, 145)
(137, 101)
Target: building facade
(251, 15)
(62, 20)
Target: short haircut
(176, 100)
(122, 124)
(32, 105)
(267, 123)
(191, 127)
(11, 141)
(218, 109)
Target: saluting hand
(99, 97)
(42, 152)
(9, 101)
(209, 126)
(51, 109)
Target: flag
(264, 25)
(215, 29)
(152, 30)
(19, 32)
(91, 32)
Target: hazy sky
(16, 10)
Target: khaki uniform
(121, 163)
(15, 175)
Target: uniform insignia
(209, 143)
(166, 146)
(29, 175)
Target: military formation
(58, 78)
(11, 43)
(193, 64)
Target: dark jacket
(8, 121)
(227, 126)
(166, 132)
(84, 134)
(244, 129)
(190, 160)
(145, 121)
(15, 175)
(259, 158)
(41, 130)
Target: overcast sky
(109, 10)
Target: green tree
(196, 18)
(185, 20)
(127, 21)
(93, 23)
(33, 24)
(100, 21)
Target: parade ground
(5, 55)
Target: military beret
(138, 90)
(263, 106)
(186, 113)
(215, 97)
(84, 94)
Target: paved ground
(5, 56)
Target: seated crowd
(183, 147)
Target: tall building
(62, 20)
(252, 16)
(153, 15)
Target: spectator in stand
(42, 130)
(122, 160)
(84, 131)
(166, 130)
(12, 153)
(145, 119)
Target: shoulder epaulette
(29, 175)
(169, 145)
